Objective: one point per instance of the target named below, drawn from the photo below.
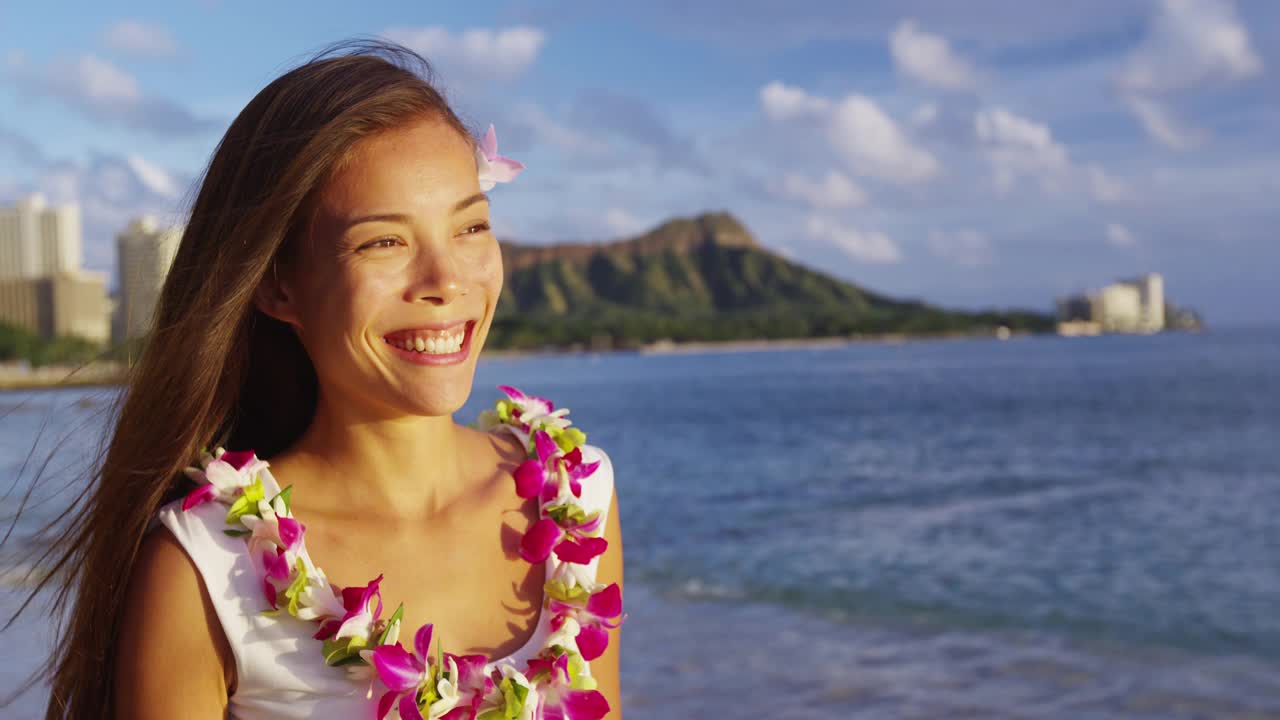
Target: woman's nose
(437, 277)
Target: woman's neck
(408, 466)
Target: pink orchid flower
(272, 527)
(542, 475)
(531, 409)
(319, 600)
(602, 613)
(472, 683)
(404, 673)
(273, 568)
(572, 545)
(557, 699)
(222, 475)
(494, 168)
(361, 613)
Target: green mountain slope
(703, 278)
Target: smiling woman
(323, 319)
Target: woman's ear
(275, 299)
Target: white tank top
(279, 668)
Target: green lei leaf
(503, 407)
(577, 680)
(560, 590)
(513, 695)
(428, 692)
(284, 495)
(296, 587)
(344, 651)
(233, 532)
(570, 438)
(350, 660)
(569, 513)
(395, 618)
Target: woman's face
(400, 266)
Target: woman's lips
(429, 358)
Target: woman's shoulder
(198, 530)
(169, 620)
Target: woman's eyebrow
(459, 206)
(465, 203)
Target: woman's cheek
(487, 267)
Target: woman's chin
(440, 399)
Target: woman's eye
(379, 243)
(477, 228)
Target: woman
(325, 310)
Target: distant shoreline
(52, 377)
(55, 377)
(671, 347)
(703, 346)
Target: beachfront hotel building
(58, 305)
(38, 240)
(1135, 305)
(42, 288)
(144, 252)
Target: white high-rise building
(37, 240)
(144, 253)
(1150, 289)
(1118, 308)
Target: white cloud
(1162, 126)
(97, 81)
(863, 134)
(152, 176)
(105, 92)
(1120, 236)
(1105, 188)
(925, 115)
(784, 102)
(873, 144)
(575, 142)
(621, 222)
(473, 55)
(966, 248)
(869, 247)
(929, 59)
(832, 191)
(1191, 44)
(1016, 147)
(134, 37)
(785, 251)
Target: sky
(985, 154)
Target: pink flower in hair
(493, 167)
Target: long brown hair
(217, 371)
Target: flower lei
(419, 685)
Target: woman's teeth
(431, 345)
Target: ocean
(1041, 527)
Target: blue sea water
(1039, 527)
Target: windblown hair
(215, 369)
